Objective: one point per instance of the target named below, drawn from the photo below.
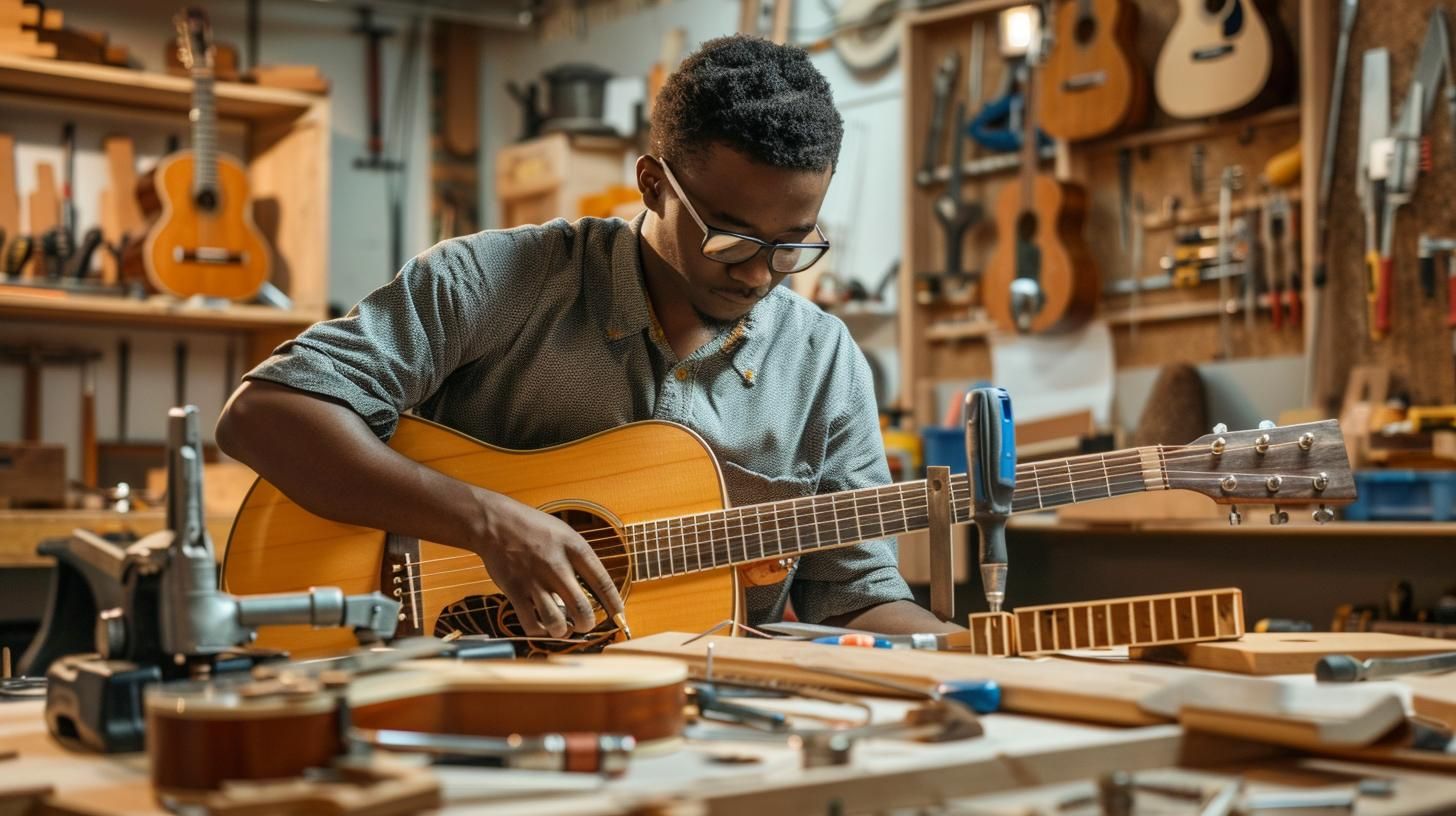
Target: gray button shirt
(539, 335)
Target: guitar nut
(1261, 445)
(1229, 484)
(1273, 483)
(1321, 482)
(1218, 446)
(1306, 441)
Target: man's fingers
(551, 616)
(589, 567)
(577, 605)
(525, 609)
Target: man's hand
(531, 555)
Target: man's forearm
(893, 618)
(325, 458)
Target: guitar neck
(204, 132)
(739, 535)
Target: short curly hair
(764, 100)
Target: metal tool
(991, 456)
(605, 754)
(1229, 180)
(1139, 237)
(1402, 150)
(171, 620)
(1374, 124)
(1347, 669)
(941, 85)
(956, 216)
(1429, 248)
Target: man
(540, 335)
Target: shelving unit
(285, 130)
(945, 341)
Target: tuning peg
(1235, 519)
(1220, 428)
(1278, 517)
(1323, 514)
(1266, 424)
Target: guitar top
(1090, 84)
(1223, 56)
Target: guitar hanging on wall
(1091, 84)
(649, 499)
(205, 242)
(1042, 275)
(1223, 56)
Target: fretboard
(739, 535)
(204, 133)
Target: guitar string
(641, 552)
(1054, 487)
(1094, 474)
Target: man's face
(731, 192)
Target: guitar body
(1233, 58)
(217, 252)
(1044, 238)
(635, 473)
(1090, 84)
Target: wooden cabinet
(546, 178)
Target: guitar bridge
(1212, 52)
(1083, 82)
(399, 578)
(209, 255)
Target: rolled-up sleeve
(849, 579)
(397, 346)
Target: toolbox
(1404, 495)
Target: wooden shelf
(123, 87)
(1194, 131)
(959, 330)
(50, 304)
(1048, 522)
(22, 530)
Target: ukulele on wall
(1090, 84)
(1222, 56)
(1042, 275)
(205, 242)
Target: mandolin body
(238, 259)
(1052, 222)
(635, 473)
(1090, 85)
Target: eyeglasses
(732, 248)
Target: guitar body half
(1090, 84)
(1222, 56)
(217, 251)
(635, 473)
(1041, 240)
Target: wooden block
(1146, 620)
(1433, 696)
(294, 77)
(45, 211)
(1295, 652)
(988, 633)
(121, 170)
(9, 199)
(32, 473)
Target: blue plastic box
(1404, 495)
(945, 446)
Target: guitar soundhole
(206, 200)
(1026, 227)
(1214, 7)
(493, 615)
(1085, 29)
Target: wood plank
(1267, 653)
(44, 205)
(1141, 621)
(1433, 696)
(992, 634)
(9, 196)
(1072, 689)
(22, 530)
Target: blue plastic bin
(1404, 495)
(945, 446)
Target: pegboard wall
(946, 340)
(1418, 351)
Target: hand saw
(1374, 123)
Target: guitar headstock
(1300, 464)
(194, 38)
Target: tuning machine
(1323, 514)
(1278, 517)
(1235, 517)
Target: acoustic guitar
(205, 241)
(1223, 56)
(650, 500)
(1042, 276)
(201, 734)
(1090, 84)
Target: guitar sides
(1204, 71)
(635, 473)
(1092, 88)
(1068, 272)
(184, 227)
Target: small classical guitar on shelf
(1091, 84)
(649, 497)
(1223, 56)
(205, 241)
(1041, 276)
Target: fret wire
(1070, 480)
(1036, 480)
(798, 537)
(1106, 477)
